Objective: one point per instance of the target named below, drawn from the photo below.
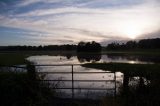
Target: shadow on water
(88, 57)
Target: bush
(17, 89)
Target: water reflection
(83, 58)
(88, 57)
(133, 58)
(83, 84)
(68, 55)
(115, 58)
(126, 83)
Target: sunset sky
(43, 22)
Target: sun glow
(131, 30)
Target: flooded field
(86, 84)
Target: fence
(72, 72)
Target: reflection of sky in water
(98, 76)
(107, 83)
(124, 59)
(45, 59)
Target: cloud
(76, 20)
(27, 2)
(59, 2)
(155, 34)
(64, 10)
(85, 3)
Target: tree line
(89, 46)
(39, 48)
(141, 44)
(81, 47)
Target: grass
(8, 58)
(132, 69)
(18, 57)
(21, 89)
(18, 89)
(147, 52)
(12, 59)
(136, 95)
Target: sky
(49, 22)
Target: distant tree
(113, 46)
(81, 46)
(149, 43)
(142, 44)
(89, 47)
(96, 46)
(39, 48)
(131, 45)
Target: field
(145, 92)
(19, 57)
(147, 52)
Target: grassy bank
(143, 93)
(19, 57)
(22, 89)
(132, 69)
(147, 52)
(12, 58)
(19, 89)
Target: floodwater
(108, 84)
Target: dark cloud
(155, 34)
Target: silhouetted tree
(113, 46)
(142, 44)
(39, 48)
(131, 45)
(89, 47)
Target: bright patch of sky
(43, 22)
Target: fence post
(72, 83)
(115, 84)
(31, 71)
